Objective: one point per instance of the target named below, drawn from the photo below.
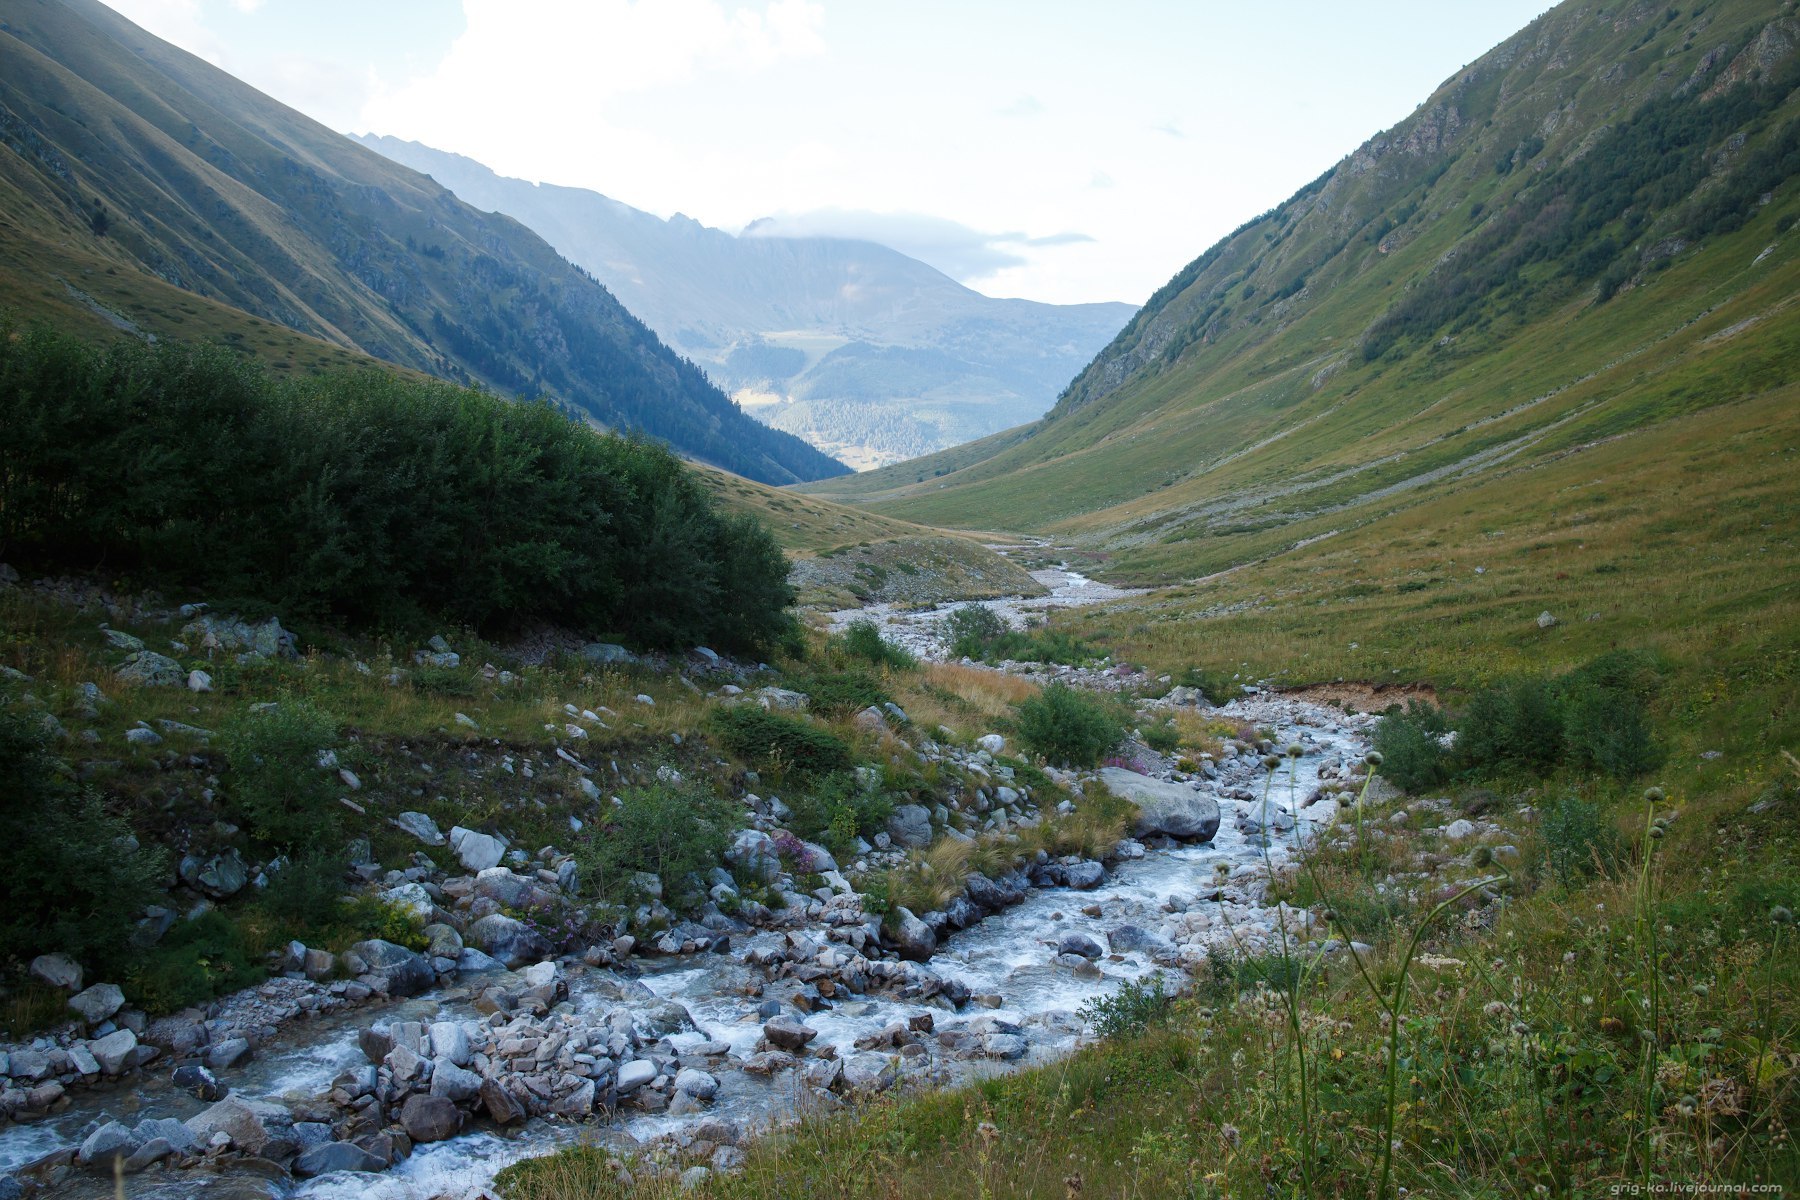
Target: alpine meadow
(450, 749)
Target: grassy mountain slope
(1584, 234)
(870, 349)
(124, 154)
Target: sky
(1057, 150)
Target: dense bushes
(976, 631)
(278, 785)
(72, 876)
(862, 640)
(837, 810)
(676, 833)
(365, 496)
(1595, 718)
(1069, 727)
(785, 744)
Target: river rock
(166, 1129)
(1127, 939)
(430, 1118)
(450, 1040)
(634, 1075)
(868, 1073)
(785, 1033)
(1086, 876)
(336, 1156)
(993, 743)
(1079, 943)
(147, 668)
(476, 851)
(115, 1051)
(228, 1053)
(112, 1140)
(152, 1151)
(98, 1002)
(607, 654)
(198, 1082)
(697, 1083)
(577, 1102)
(910, 826)
(912, 938)
(243, 1121)
(421, 826)
(1007, 1046)
(234, 636)
(991, 894)
(406, 973)
(452, 1082)
(57, 970)
(509, 941)
(503, 1108)
(1172, 809)
(222, 875)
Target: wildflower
(1270, 761)
(1588, 1000)
(1295, 750)
(1656, 833)
(1701, 990)
(1781, 915)
(1653, 795)
(1373, 758)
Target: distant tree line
(366, 497)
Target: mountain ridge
(124, 153)
(860, 339)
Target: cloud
(177, 21)
(1170, 128)
(959, 251)
(1100, 179)
(247, 6)
(1024, 106)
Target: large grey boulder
(452, 1082)
(912, 937)
(869, 1073)
(430, 1118)
(223, 875)
(509, 941)
(607, 654)
(147, 668)
(112, 1140)
(97, 1003)
(785, 1033)
(57, 970)
(1172, 809)
(1075, 942)
(421, 826)
(1127, 939)
(754, 851)
(476, 851)
(406, 973)
(910, 826)
(231, 635)
(510, 890)
(245, 1122)
(116, 1051)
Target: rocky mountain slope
(147, 190)
(861, 350)
(1585, 235)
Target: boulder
(781, 699)
(98, 1002)
(697, 1083)
(112, 1140)
(869, 1073)
(198, 1082)
(243, 1121)
(910, 826)
(233, 636)
(912, 938)
(814, 858)
(147, 668)
(754, 851)
(990, 894)
(1127, 939)
(228, 1053)
(607, 654)
(1086, 876)
(1079, 943)
(476, 851)
(509, 941)
(634, 1075)
(406, 973)
(785, 1033)
(452, 1082)
(1007, 1046)
(57, 970)
(503, 1108)
(993, 743)
(430, 1118)
(115, 1051)
(450, 1040)
(1172, 809)
(222, 875)
(167, 1129)
(336, 1156)
(421, 826)
(513, 891)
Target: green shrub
(840, 692)
(1069, 727)
(1606, 724)
(976, 631)
(74, 876)
(1135, 1006)
(373, 917)
(676, 832)
(836, 811)
(384, 501)
(862, 639)
(1163, 738)
(307, 892)
(274, 779)
(1517, 725)
(195, 961)
(971, 629)
(1578, 839)
(1412, 757)
(784, 743)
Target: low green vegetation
(675, 832)
(1068, 727)
(862, 640)
(978, 632)
(781, 743)
(365, 498)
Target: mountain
(1581, 243)
(145, 188)
(858, 348)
